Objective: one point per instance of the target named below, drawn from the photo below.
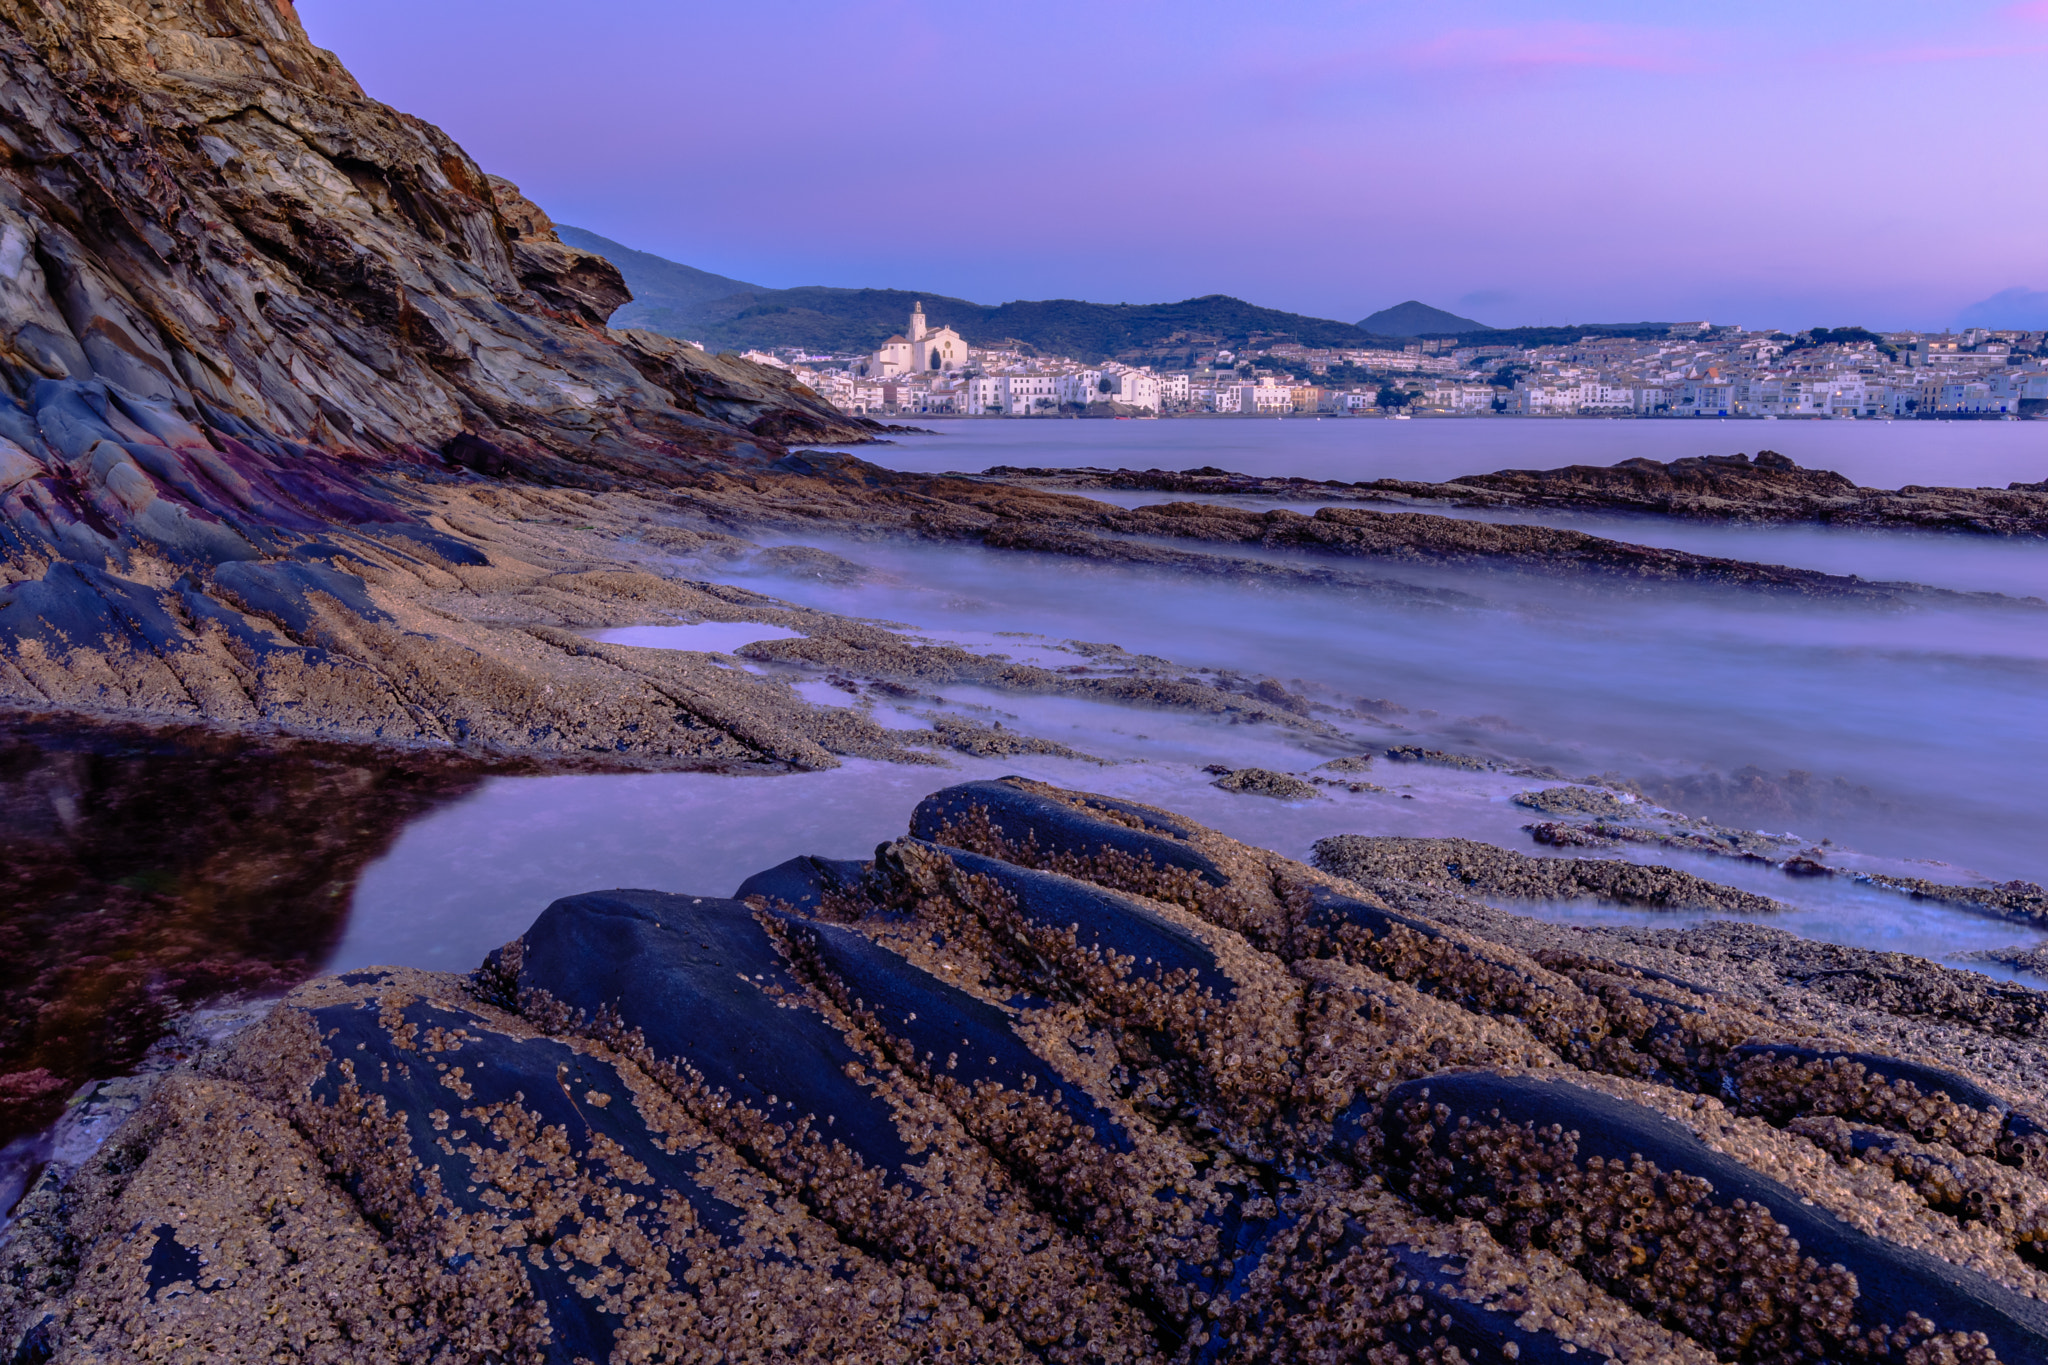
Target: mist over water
(1960, 563)
(1913, 737)
(1920, 728)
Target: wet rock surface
(1059, 1077)
(1768, 488)
(2033, 961)
(1265, 782)
(1618, 822)
(2015, 900)
(1490, 871)
(1577, 801)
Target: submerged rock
(2033, 961)
(1265, 782)
(1416, 753)
(2016, 900)
(1057, 1078)
(1578, 801)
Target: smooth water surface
(1921, 728)
(1913, 737)
(1874, 454)
(1959, 562)
(708, 637)
(473, 875)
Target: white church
(924, 351)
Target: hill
(659, 285)
(862, 319)
(1415, 319)
(731, 315)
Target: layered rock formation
(248, 319)
(1062, 1078)
(1770, 488)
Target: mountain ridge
(677, 300)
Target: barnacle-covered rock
(1491, 871)
(1719, 1251)
(1055, 1078)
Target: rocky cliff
(249, 320)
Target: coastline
(327, 498)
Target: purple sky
(1791, 163)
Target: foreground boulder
(1054, 1078)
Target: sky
(1787, 163)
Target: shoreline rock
(1160, 1089)
(1483, 869)
(1770, 488)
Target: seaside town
(1693, 370)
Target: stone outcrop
(249, 320)
(1056, 1078)
(1484, 870)
(1770, 488)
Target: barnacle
(1067, 1079)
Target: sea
(1912, 739)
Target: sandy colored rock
(1060, 1077)
(1487, 870)
(1265, 782)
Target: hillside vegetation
(1415, 318)
(726, 314)
(731, 315)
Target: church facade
(925, 351)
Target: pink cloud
(1509, 52)
(2036, 10)
(1556, 46)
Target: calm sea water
(1914, 738)
(1875, 454)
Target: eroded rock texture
(1057, 1078)
(248, 318)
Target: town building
(924, 351)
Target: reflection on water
(145, 872)
(473, 875)
(709, 637)
(1874, 454)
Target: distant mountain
(661, 288)
(731, 315)
(1413, 319)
